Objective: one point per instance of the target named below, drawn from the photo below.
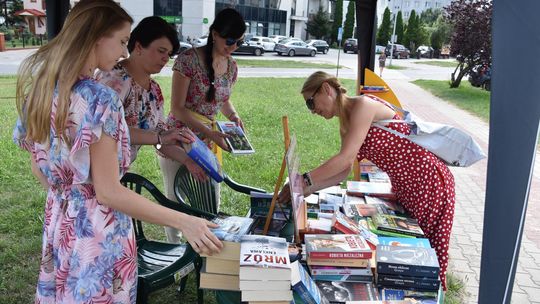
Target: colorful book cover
(276, 224)
(371, 226)
(334, 270)
(343, 224)
(344, 278)
(407, 261)
(199, 152)
(260, 205)
(397, 224)
(421, 297)
(337, 246)
(231, 228)
(330, 199)
(408, 242)
(237, 140)
(393, 206)
(341, 292)
(373, 189)
(378, 177)
(304, 286)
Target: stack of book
(220, 271)
(265, 270)
(408, 268)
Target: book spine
(400, 231)
(205, 165)
(340, 255)
(304, 293)
(408, 282)
(344, 278)
(408, 270)
(344, 229)
(337, 272)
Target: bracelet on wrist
(307, 179)
(233, 114)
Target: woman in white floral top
(151, 44)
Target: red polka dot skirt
(423, 183)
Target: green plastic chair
(203, 196)
(158, 262)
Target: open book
(237, 139)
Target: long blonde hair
(59, 63)
(316, 80)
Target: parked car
(399, 51)
(184, 46)
(424, 51)
(287, 39)
(267, 43)
(379, 49)
(200, 41)
(245, 48)
(321, 45)
(350, 45)
(293, 48)
(480, 77)
(277, 38)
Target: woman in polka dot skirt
(421, 181)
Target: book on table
(237, 139)
(392, 207)
(217, 280)
(230, 251)
(264, 257)
(407, 261)
(304, 286)
(345, 225)
(408, 242)
(199, 152)
(337, 246)
(341, 292)
(397, 224)
(408, 282)
(373, 189)
(231, 228)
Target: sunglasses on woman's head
(231, 41)
(310, 102)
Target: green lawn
(466, 96)
(396, 67)
(290, 64)
(261, 103)
(446, 64)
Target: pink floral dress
(143, 108)
(422, 182)
(89, 251)
(189, 64)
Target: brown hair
(58, 63)
(316, 80)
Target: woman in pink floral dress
(75, 131)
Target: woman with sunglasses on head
(201, 87)
(75, 131)
(151, 43)
(421, 181)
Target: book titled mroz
(337, 246)
(264, 258)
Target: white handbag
(452, 145)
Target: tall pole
(392, 38)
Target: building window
(406, 14)
(407, 3)
(416, 3)
(427, 3)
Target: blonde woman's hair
(316, 80)
(58, 64)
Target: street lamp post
(392, 38)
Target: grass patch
(465, 96)
(22, 199)
(283, 64)
(446, 64)
(396, 67)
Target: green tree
(430, 16)
(384, 31)
(413, 34)
(441, 33)
(12, 7)
(319, 25)
(338, 20)
(348, 26)
(399, 28)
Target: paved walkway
(466, 240)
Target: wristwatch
(307, 179)
(159, 144)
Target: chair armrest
(240, 187)
(180, 206)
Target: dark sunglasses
(231, 41)
(310, 102)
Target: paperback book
(337, 246)
(341, 292)
(199, 152)
(231, 228)
(408, 282)
(264, 257)
(407, 261)
(373, 189)
(406, 242)
(397, 224)
(237, 140)
(304, 286)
